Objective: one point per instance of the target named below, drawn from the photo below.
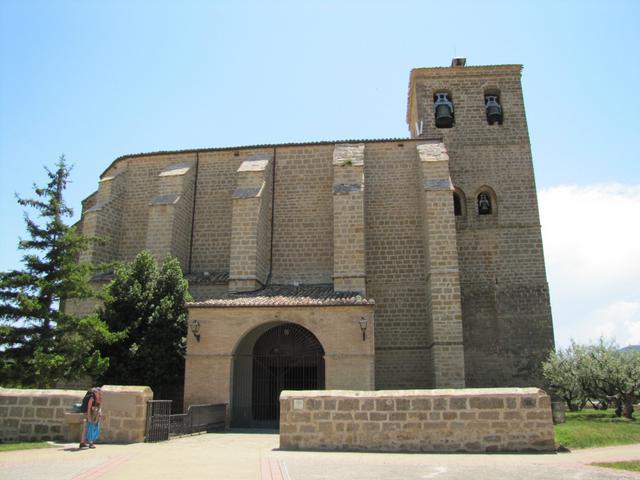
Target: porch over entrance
(251, 346)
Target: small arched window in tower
(457, 204)
(443, 108)
(493, 108)
(484, 203)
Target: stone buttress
(443, 276)
(103, 219)
(348, 218)
(251, 224)
(171, 212)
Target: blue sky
(95, 80)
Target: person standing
(90, 424)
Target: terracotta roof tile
(287, 296)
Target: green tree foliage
(601, 372)
(148, 303)
(41, 344)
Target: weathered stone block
(348, 404)
(44, 412)
(457, 403)
(16, 412)
(385, 404)
(40, 428)
(486, 403)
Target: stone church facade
(369, 264)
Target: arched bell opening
(486, 201)
(493, 106)
(270, 359)
(443, 109)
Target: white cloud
(619, 320)
(592, 252)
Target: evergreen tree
(40, 343)
(149, 305)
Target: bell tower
(479, 113)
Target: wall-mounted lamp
(363, 326)
(195, 328)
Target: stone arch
(493, 200)
(490, 89)
(492, 101)
(272, 357)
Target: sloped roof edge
(263, 145)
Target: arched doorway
(286, 356)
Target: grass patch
(632, 466)
(11, 446)
(597, 428)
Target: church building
(360, 264)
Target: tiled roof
(287, 296)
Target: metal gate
(286, 357)
(161, 425)
(158, 420)
(272, 374)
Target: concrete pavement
(255, 456)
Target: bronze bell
(444, 110)
(494, 110)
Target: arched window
(485, 206)
(457, 204)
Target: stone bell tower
(479, 113)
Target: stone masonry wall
(124, 413)
(31, 415)
(141, 187)
(505, 298)
(464, 420)
(395, 264)
(303, 215)
(213, 207)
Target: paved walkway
(255, 456)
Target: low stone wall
(30, 415)
(468, 420)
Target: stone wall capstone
(455, 420)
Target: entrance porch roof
(287, 296)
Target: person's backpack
(85, 401)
